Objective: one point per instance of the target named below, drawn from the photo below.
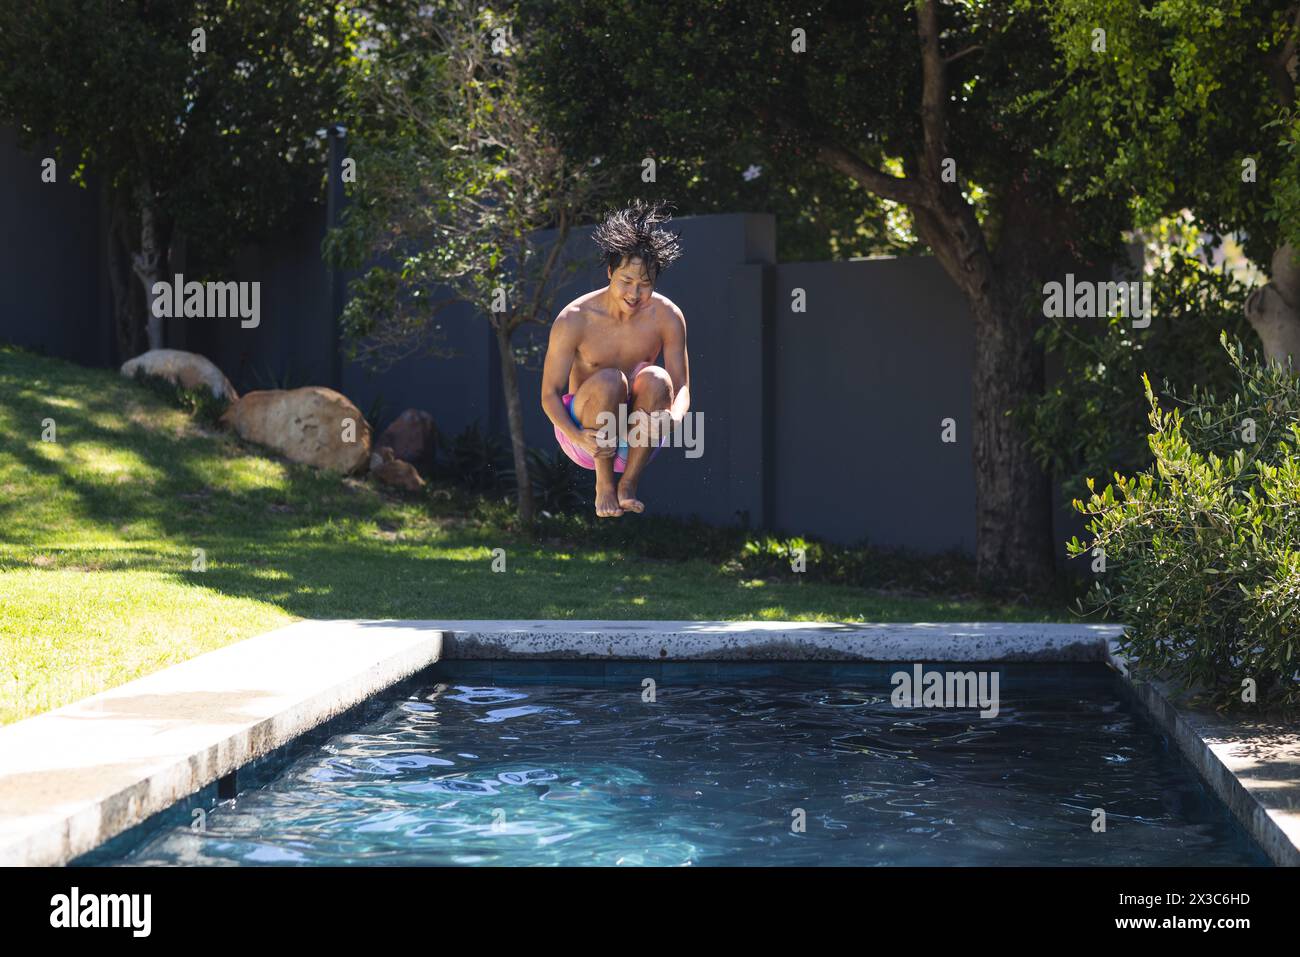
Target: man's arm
(676, 364)
(561, 350)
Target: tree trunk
(1274, 310)
(125, 322)
(1013, 545)
(148, 261)
(1013, 502)
(515, 416)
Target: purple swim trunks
(580, 456)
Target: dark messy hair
(637, 231)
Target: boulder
(189, 370)
(410, 436)
(306, 425)
(394, 471)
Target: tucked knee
(653, 388)
(610, 384)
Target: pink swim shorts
(580, 456)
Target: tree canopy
(202, 118)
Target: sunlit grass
(98, 533)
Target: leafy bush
(1091, 421)
(200, 403)
(1202, 550)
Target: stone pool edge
(1220, 749)
(770, 640)
(77, 776)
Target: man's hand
(591, 442)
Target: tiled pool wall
(1020, 676)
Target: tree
(1174, 104)
(455, 176)
(947, 114)
(199, 117)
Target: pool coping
(1252, 765)
(532, 639)
(75, 777)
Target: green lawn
(98, 531)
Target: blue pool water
(533, 767)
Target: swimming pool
(501, 763)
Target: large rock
(189, 370)
(410, 436)
(305, 425)
(393, 471)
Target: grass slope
(98, 532)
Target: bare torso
(605, 341)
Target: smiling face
(630, 286)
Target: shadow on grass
(306, 542)
(186, 500)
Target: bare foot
(627, 497)
(607, 503)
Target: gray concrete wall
(292, 341)
(862, 381)
(53, 285)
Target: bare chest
(616, 345)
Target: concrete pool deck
(73, 778)
(1251, 764)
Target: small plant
(768, 556)
(200, 403)
(555, 481)
(477, 460)
(376, 413)
(288, 377)
(1202, 550)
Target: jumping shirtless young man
(602, 352)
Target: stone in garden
(189, 370)
(312, 425)
(393, 471)
(410, 436)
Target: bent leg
(652, 392)
(603, 392)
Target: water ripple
(718, 775)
